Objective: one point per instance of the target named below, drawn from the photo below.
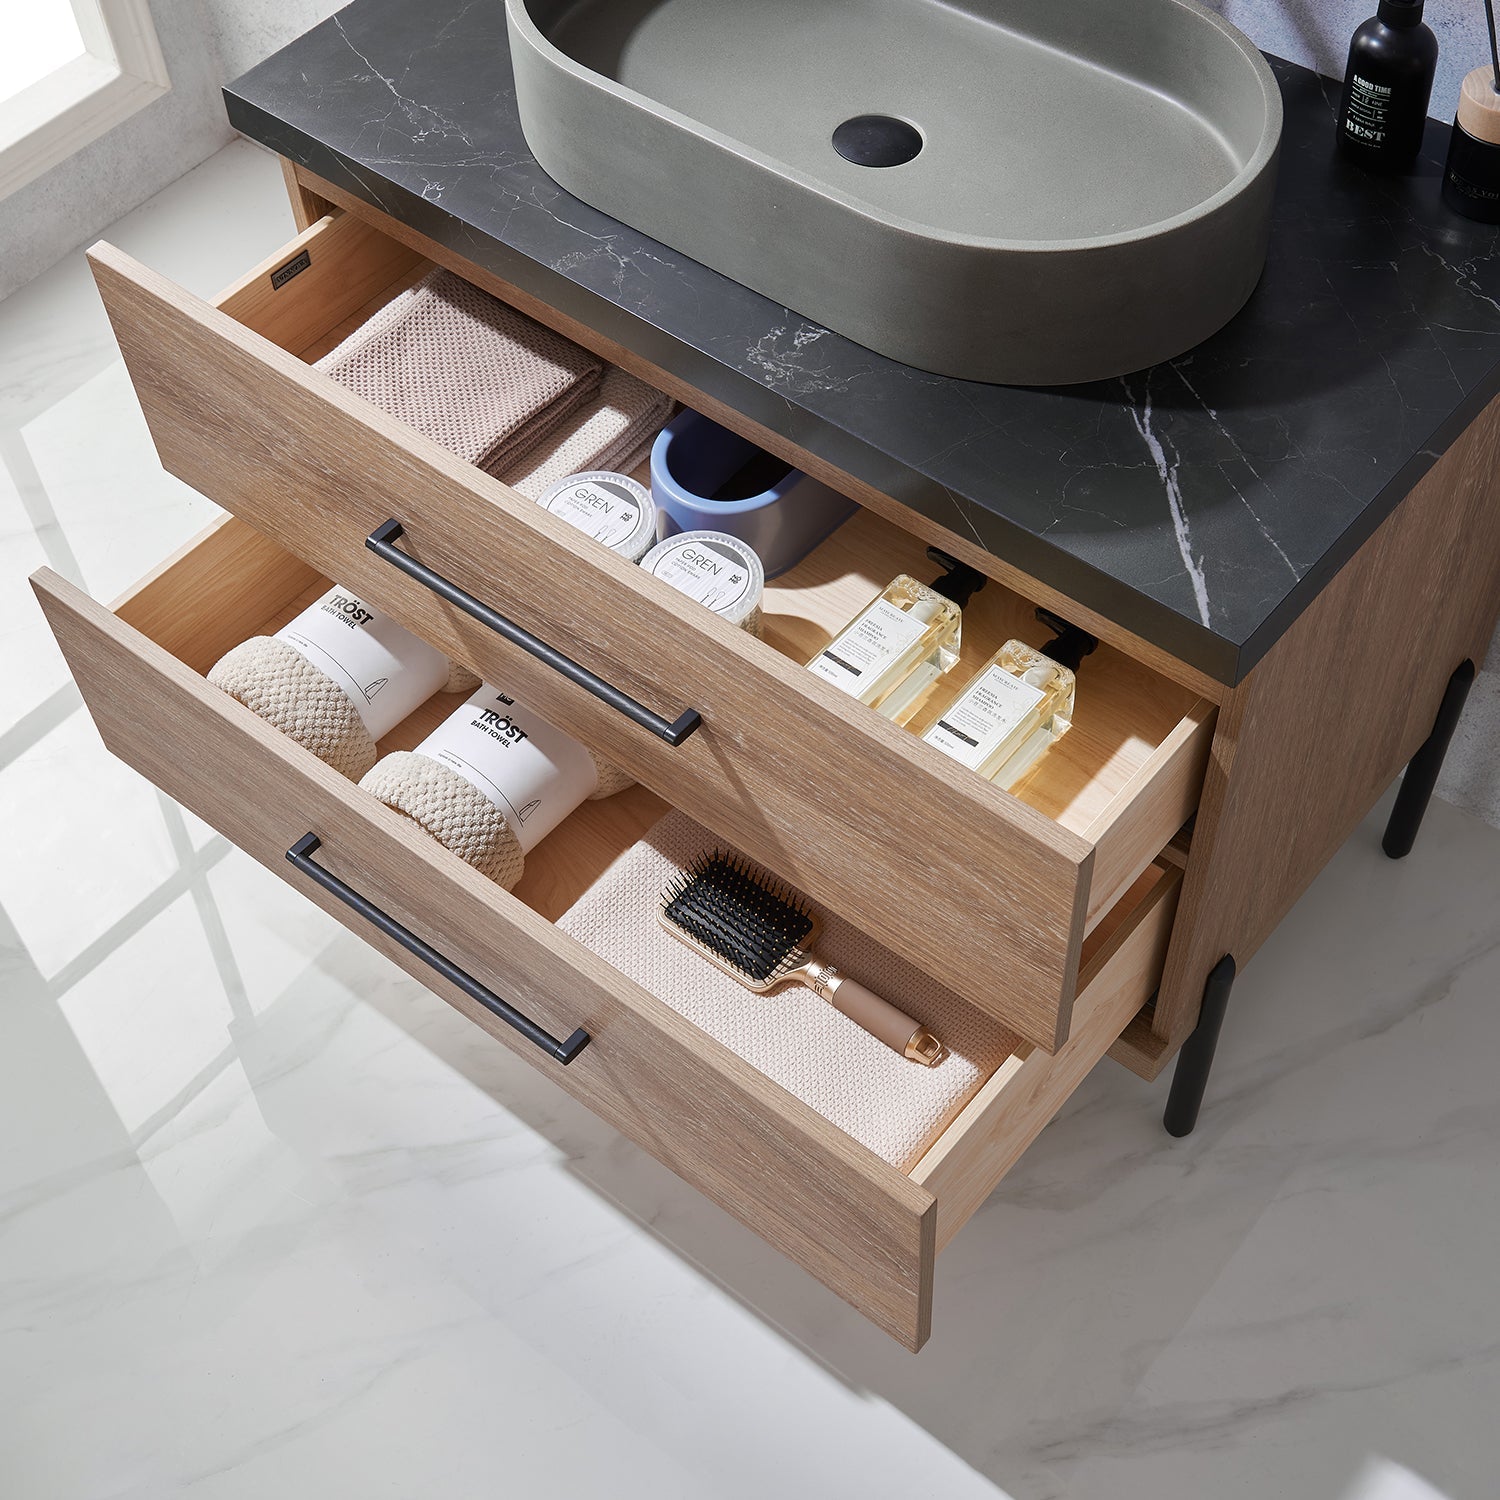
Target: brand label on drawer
(534, 773)
(974, 726)
(880, 635)
(606, 510)
(711, 574)
(385, 670)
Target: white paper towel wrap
(337, 678)
(492, 781)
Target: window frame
(120, 70)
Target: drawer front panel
(988, 895)
(856, 1223)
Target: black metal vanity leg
(1423, 768)
(1190, 1077)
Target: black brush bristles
(751, 921)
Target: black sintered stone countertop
(1201, 504)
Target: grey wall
(1316, 33)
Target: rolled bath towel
(337, 678)
(492, 781)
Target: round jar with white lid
(612, 508)
(717, 570)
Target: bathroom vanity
(1286, 541)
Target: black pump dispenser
(1071, 643)
(1387, 83)
(959, 582)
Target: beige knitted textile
(895, 1107)
(461, 367)
(458, 815)
(606, 434)
(275, 681)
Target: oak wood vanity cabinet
(1078, 912)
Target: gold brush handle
(879, 1017)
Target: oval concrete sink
(1034, 192)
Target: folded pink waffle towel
(460, 366)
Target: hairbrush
(761, 933)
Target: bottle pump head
(1400, 12)
(1071, 643)
(959, 582)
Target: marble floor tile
(275, 1221)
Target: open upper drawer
(991, 893)
(865, 1228)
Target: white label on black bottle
(869, 645)
(1368, 116)
(705, 571)
(386, 671)
(977, 722)
(607, 512)
(534, 773)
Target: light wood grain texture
(307, 206)
(1010, 1111)
(786, 767)
(1139, 1049)
(1162, 794)
(1309, 742)
(864, 1228)
(930, 531)
(348, 263)
(1479, 105)
(854, 1221)
(201, 598)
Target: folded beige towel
(895, 1107)
(478, 377)
(622, 419)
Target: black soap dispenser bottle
(1387, 84)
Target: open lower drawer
(991, 893)
(869, 1231)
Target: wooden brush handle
(865, 1008)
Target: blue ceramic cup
(694, 458)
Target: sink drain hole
(877, 141)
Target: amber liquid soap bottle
(1387, 83)
(1015, 707)
(897, 647)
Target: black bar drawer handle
(300, 855)
(382, 541)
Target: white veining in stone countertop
(276, 1222)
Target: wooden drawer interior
(1129, 718)
(1027, 874)
(233, 582)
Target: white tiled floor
(275, 1222)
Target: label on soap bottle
(975, 725)
(385, 670)
(534, 773)
(1368, 117)
(869, 645)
